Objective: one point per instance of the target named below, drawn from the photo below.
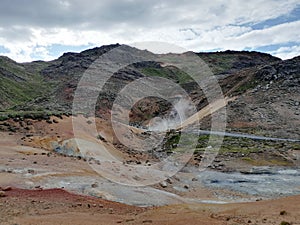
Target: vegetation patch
(172, 73)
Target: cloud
(28, 29)
(287, 52)
(16, 33)
(239, 38)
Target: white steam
(182, 110)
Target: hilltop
(266, 88)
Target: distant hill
(267, 88)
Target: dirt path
(206, 111)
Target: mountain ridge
(47, 88)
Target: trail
(206, 111)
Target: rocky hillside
(230, 62)
(270, 101)
(266, 87)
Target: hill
(266, 88)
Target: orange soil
(57, 206)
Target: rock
(67, 147)
(194, 179)
(285, 223)
(169, 181)
(163, 184)
(186, 186)
(7, 188)
(111, 211)
(95, 185)
(2, 194)
(30, 171)
(282, 213)
(49, 121)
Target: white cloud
(287, 52)
(240, 38)
(197, 25)
(287, 32)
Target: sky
(45, 29)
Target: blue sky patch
(58, 50)
(270, 48)
(293, 16)
(3, 50)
